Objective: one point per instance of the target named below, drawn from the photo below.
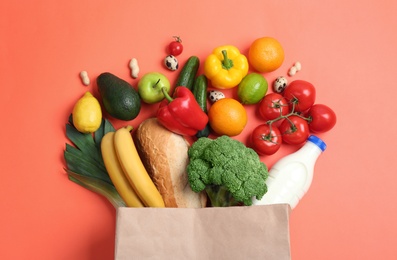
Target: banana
(134, 170)
(116, 173)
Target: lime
(252, 88)
(87, 114)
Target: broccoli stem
(220, 196)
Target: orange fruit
(227, 116)
(266, 54)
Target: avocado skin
(119, 98)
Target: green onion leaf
(84, 161)
(85, 166)
(84, 142)
(97, 186)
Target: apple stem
(156, 83)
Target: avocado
(119, 98)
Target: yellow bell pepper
(225, 67)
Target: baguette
(164, 155)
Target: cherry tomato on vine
(321, 118)
(302, 93)
(294, 130)
(272, 106)
(175, 48)
(266, 139)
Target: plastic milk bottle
(291, 176)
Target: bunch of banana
(127, 172)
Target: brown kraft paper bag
(255, 232)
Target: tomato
(175, 48)
(272, 106)
(294, 130)
(321, 118)
(266, 139)
(301, 93)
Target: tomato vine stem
(292, 113)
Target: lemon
(87, 114)
(252, 88)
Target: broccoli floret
(227, 170)
(198, 177)
(199, 148)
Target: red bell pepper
(181, 114)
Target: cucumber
(188, 73)
(200, 93)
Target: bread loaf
(165, 157)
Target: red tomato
(272, 106)
(265, 139)
(322, 118)
(175, 48)
(294, 130)
(302, 93)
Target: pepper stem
(226, 63)
(166, 95)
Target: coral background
(347, 50)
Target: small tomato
(294, 130)
(272, 106)
(175, 48)
(300, 94)
(266, 139)
(321, 118)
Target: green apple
(150, 87)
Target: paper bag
(255, 232)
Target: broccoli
(227, 170)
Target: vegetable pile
(228, 170)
